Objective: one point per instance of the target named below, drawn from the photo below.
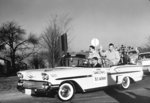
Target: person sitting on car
(93, 53)
(95, 62)
(112, 55)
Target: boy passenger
(93, 53)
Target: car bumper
(36, 86)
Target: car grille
(33, 84)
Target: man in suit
(95, 62)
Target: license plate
(28, 91)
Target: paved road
(137, 93)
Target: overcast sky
(116, 21)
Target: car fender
(75, 84)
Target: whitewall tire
(66, 92)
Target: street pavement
(138, 93)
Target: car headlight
(20, 75)
(45, 76)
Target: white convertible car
(70, 80)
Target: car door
(99, 77)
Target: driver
(95, 62)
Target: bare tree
(14, 43)
(37, 61)
(58, 25)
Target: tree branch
(19, 44)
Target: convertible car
(67, 81)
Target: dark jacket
(97, 65)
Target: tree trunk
(13, 65)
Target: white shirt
(113, 56)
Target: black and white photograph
(74, 51)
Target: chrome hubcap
(65, 91)
(125, 82)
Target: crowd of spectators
(128, 54)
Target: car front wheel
(66, 92)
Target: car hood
(33, 74)
(61, 72)
(36, 74)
